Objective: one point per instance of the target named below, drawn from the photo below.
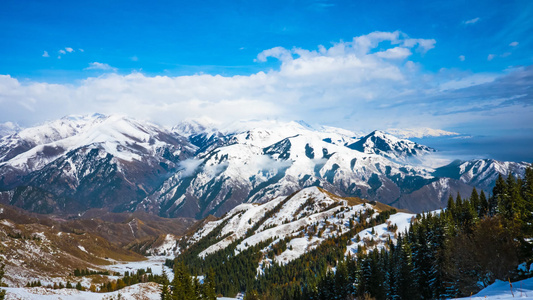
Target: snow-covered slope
(295, 224)
(199, 168)
(93, 160)
(8, 128)
(261, 164)
(379, 142)
(149, 291)
(505, 291)
(481, 173)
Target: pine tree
(2, 273)
(526, 191)
(341, 280)
(450, 207)
(209, 286)
(475, 202)
(484, 205)
(165, 293)
(499, 192)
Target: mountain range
(78, 163)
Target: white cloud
(472, 21)
(81, 50)
(490, 57)
(462, 58)
(513, 44)
(362, 84)
(395, 53)
(419, 132)
(100, 66)
(45, 54)
(276, 52)
(62, 51)
(134, 58)
(69, 50)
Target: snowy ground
(139, 291)
(502, 290)
(154, 262)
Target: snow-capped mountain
(381, 143)
(88, 161)
(481, 173)
(276, 159)
(8, 128)
(196, 168)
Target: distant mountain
(83, 162)
(277, 159)
(195, 169)
(481, 173)
(381, 143)
(8, 128)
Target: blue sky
(458, 66)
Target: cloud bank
(370, 82)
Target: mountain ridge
(195, 169)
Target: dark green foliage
(475, 240)
(2, 272)
(165, 290)
(34, 283)
(87, 272)
(185, 287)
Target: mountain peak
(381, 143)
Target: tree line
(454, 253)
(451, 253)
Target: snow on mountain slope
(91, 159)
(244, 170)
(8, 128)
(124, 138)
(211, 170)
(304, 220)
(190, 127)
(265, 133)
(288, 227)
(380, 234)
(15, 144)
(481, 173)
(378, 142)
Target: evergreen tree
(483, 204)
(526, 191)
(209, 286)
(475, 202)
(165, 291)
(341, 280)
(499, 192)
(2, 273)
(450, 207)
